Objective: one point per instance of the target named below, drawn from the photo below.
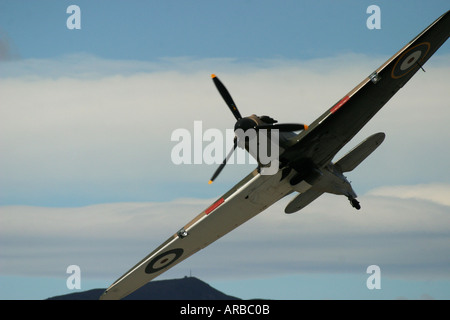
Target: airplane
(305, 161)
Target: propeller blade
(226, 96)
(284, 126)
(222, 165)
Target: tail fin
(302, 200)
(357, 155)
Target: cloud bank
(82, 130)
(406, 237)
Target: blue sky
(87, 117)
(149, 30)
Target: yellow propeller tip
(306, 127)
(213, 76)
(210, 181)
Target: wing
(330, 132)
(249, 197)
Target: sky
(87, 178)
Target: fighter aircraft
(304, 165)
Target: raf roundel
(163, 260)
(410, 59)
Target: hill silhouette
(187, 288)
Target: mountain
(187, 288)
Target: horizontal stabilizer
(302, 200)
(357, 155)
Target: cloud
(435, 192)
(79, 129)
(407, 238)
(84, 130)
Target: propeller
(247, 123)
(222, 165)
(227, 97)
